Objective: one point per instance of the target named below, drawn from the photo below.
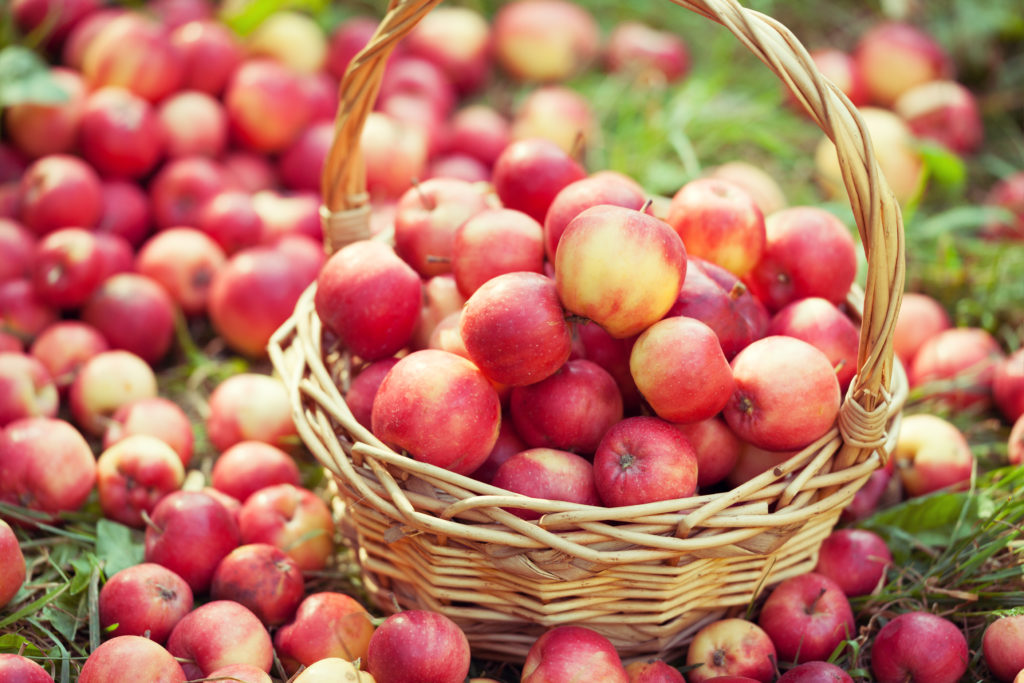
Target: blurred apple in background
(1008, 385)
(250, 406)
(59, 191)
(1007, 195)
(921, 317)
(758, 183)
(645, 53)
(180, 188)
(894, 56)
(125, 212)
(184, 261)
(265, 105)
(210, 53)
(841, 68)
(134, 313)
(290, 37)
(38, 129)
(104, 383)
(193, 123)
(17, 244)
(959, 364)
(457, 39)
(544, 40)
(557, 113)
(133, 475)
(943, 111)
(932, 453)
(12, 565)
(26, 388)
(1001, 649)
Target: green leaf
(83, 570)
(12, 643)
(244, 16)
(117, 546)
(25, 77)
(946, 167)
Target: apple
(17, 244)
(175, 13)
(680, 369)
(921, 317)
(250, 406)
(291, 38)
(362, 388)
(717, 298)
(120, 133)
(26, 388)
(869, 497)
(417, 80)
(544, 40)
(332, 669)
(716, 447)
(179, 189)
(395, 153)
(459, 167)
(895, 56)
(840, 67)
(642, 460)
(210, 54)
(815, 672)
(240, 673)
(38, 129)
(821, 324)
(1008, 385)
(755, 181)
(508, 444)
(193, 520)
(944, 111)
(134, 51)
(217, 634)
(230, 219)
(59, 191)
(55, 19)
(193, 123)
(14, 667)
(22, 313)
(529, 173)
(457, 39)
(72, 52)
(184, 261)
(418, 645)
(956, 367)
(932, 453)
(1001, 647)
(1006, 196)
(145, 659)
(133, 475)
(719, 222)
(265, 105)
(68, 266)
(593, 343)
(288, 215)
(514, 328)
(12, 565)
(547, 474)
(582, 194)
(145, 599)
(779, 415)
(807, 616)
(731, 647)
(440, 408)
(45, 465)
(855, 559)
(126, 212)
(477, 130)
(569, 652)
(248, 466)
(326, 624)
(104, 383)
(808, 252)
(896, 150)
(645, 53)
(300, 166)
(570, 410)
(653, 671)
(919, 646)
(369, 298)
(134, 313)
(348, 38)
(475, 258)
(752, 461)
(557, 113)
(293, 519)
(262, 578)
(619, 268)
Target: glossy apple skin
(716, 447)
(217, 634)
(1008, 386)
(547, 474)
(146, 659)
(133, 475)
(966, 358)
(1000, 646)
(821, 324)
(495, 242)
(120, 133)
(572, 199)
(807, 617)
(22, 669)
(643, 460)
(190, 519)
(786, 415)
(565, 653)
(134, 313)
(932, 453)
(418, 645)
(370, 298)
(250, 406)
(855, 559)
(529, 173)
(919, 646)
(265, 105)
(12, 564)
(653, 671)
(263, 578)
(815, 672)
(143, 598)
(184, 261)
(292, 518)
(248, 466)
(326, 624)
(619, 268)
(921, 317)
(731, 647)
(440, 408)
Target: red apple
(248, 466)
(133, 475)
(262, 578)
(855, 559)
(22, 313)
(175, 13)
(544, 40)
(265, 105)
(821, 324)
(547, 474)
(210, 52)
(134, 51)
(12, 565)
(1008, 385)
(479, 131)
(301, 165)
(457, 39)
(217, 634)
(55, 19)
(40, 129)
(508, 444)
(134, 313)
(326, 624)
(180, 189)
(126, 212)
(932, 453)
(21, 669)
(144, 658)
(294, 214)
(568, 652)
(1006, 196)
(807, 616)
(349, 37)
(869, 497)
(921, 317)
(45, 465)
(944, 111)
(395, 153)
(193, 520)
(184, 261)
(919, 646)
(716, 447)
(529, 173)
(120, 133)
(894, 56)
(731, 647)
(815, 672)
(291, 518)
(17, 244)
(495, 242)
(557, 113)
(26, 388)
(643, 460)
(620, 268)
(639, 51)
(758, 183)
(570, 410)
(841, 68)
(363, 389)
(808, 252)
(68, 266)
(459, 167)
(231, 220)
(1001, 647)
(780, 415)
(104, 383)
(753, 461)
(514, 328)
(440, 408)
(653, 671)
(582, 194)
(956, 367)
(418, 645)
(144, 600)
(250, 406)
(59, 191)
(193, 123)
(420, 80)
(680, 369)
(82, 34)
(719, 222)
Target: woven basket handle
(346, 204)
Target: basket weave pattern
(646, 576)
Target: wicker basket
(646, 576)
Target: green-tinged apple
(557, 113)
(134, 51)
(544, 40)
(133, 475)
(457, 39)
(145, 599)
(331, 670)
(758, 183)
(95, 395)
(731, 647)
(894, 56)
(326, 624)
(37, 129)
(265, 105)
(291, 38)
(932, 453)
(193, 123)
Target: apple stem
(738, 290)
(626, 460)
(427, 200)
(840, 365)
(150, 523)
(814, 603)
(577, 145)
(647, 205)
(438, 259)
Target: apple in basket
(644, 459)
(547, 474)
